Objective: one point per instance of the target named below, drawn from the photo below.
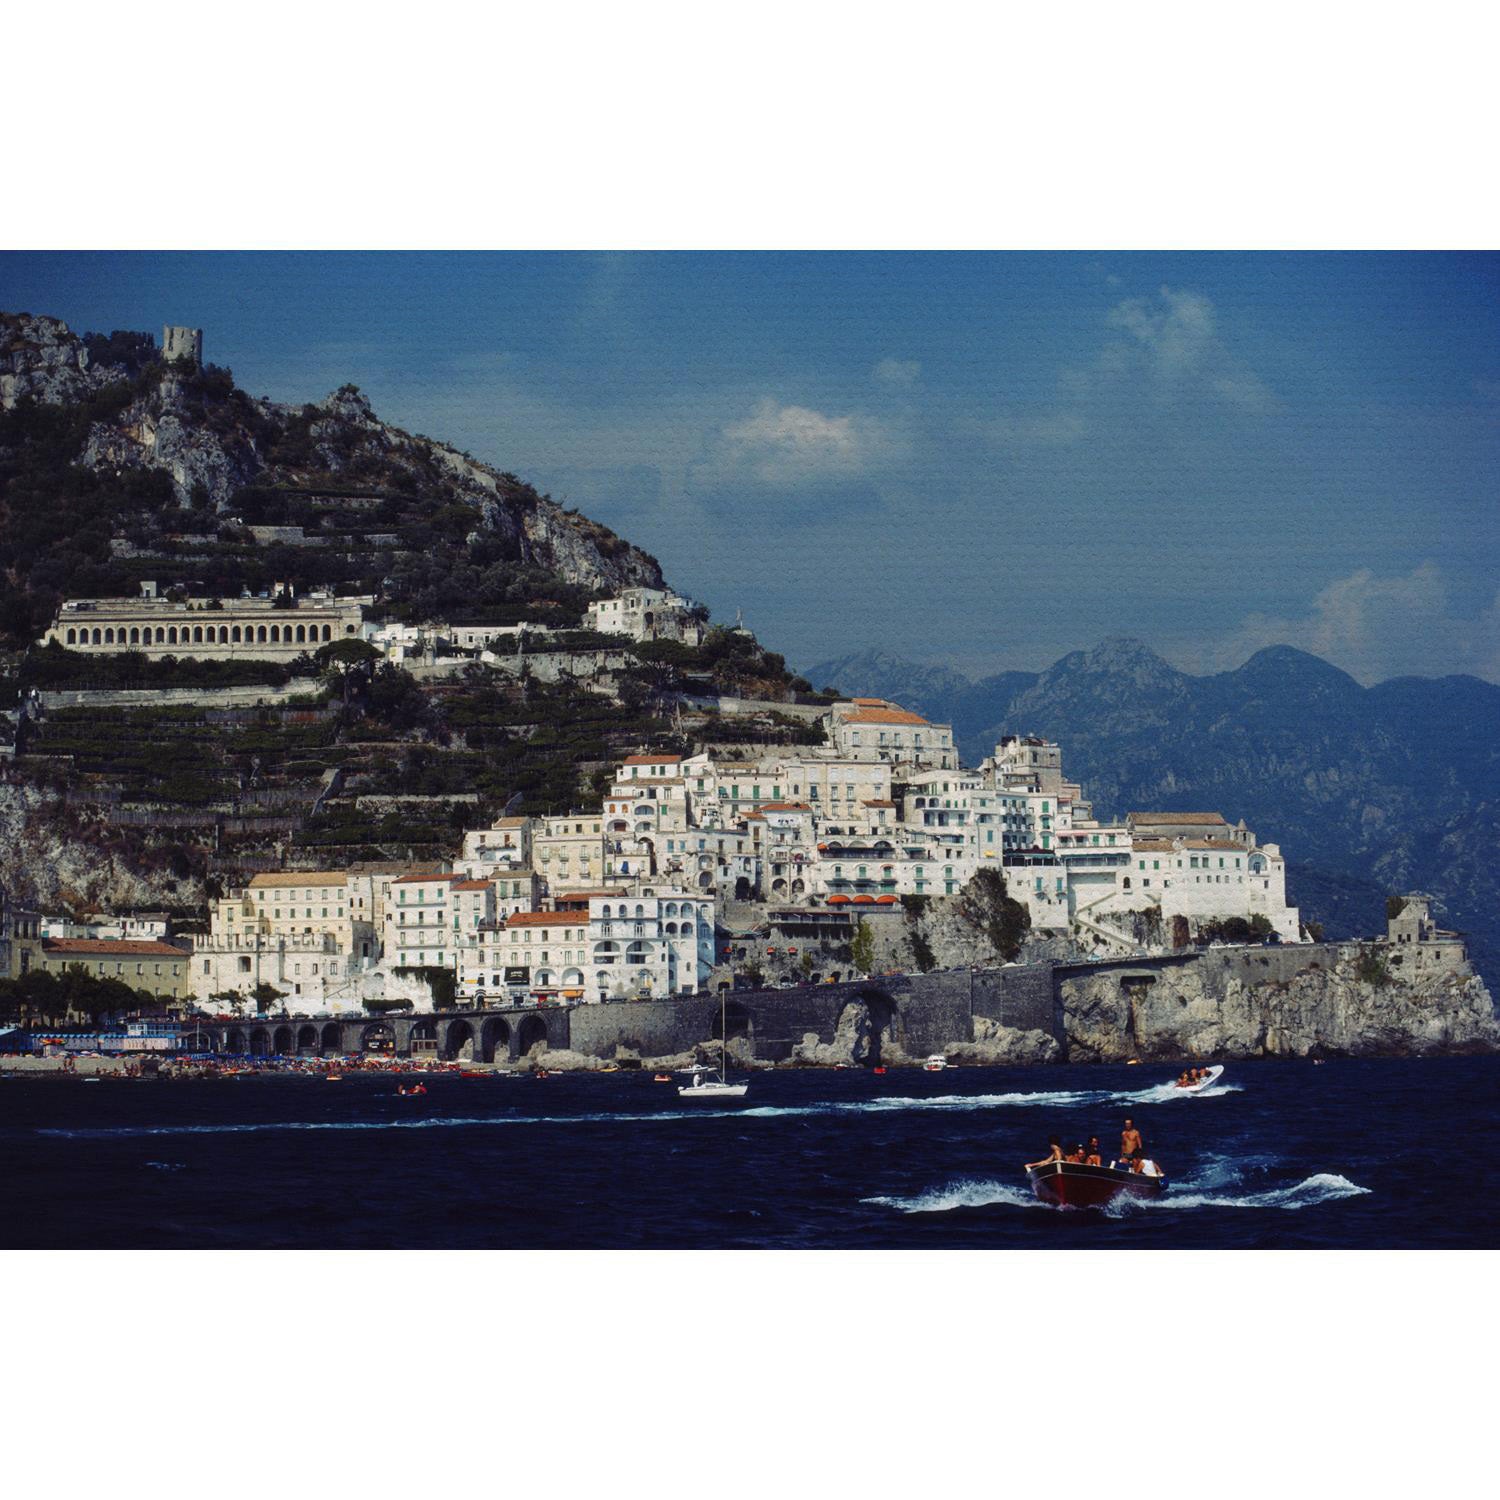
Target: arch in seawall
(494, 1039)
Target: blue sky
(984, 460)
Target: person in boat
(1077, 1155)
(1093, 1158)
(1131, 1145)
(1054, 1153)
(1182, 1080)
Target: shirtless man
(1055, 1153)
(1131, 1145)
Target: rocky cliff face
(211, 440)
(68, 858)
(1200, 1011)
(40, 358)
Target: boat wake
(1321, 1187)
(1164, 1093)
(1054, 1099)
(968, 1192)
(1211, 1187)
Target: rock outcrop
(211, 440)
(1339, 1008)
(997, 1045)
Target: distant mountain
(1368, 790)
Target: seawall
(1314, 999)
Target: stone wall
(249, 696)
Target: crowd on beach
(204, 1065)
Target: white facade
(646, 615)
(871, 729)
(230, 629)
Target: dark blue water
(1280, 1155)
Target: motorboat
(935, 1064)
(1068, 1184)
(1211, 1076)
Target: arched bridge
(455, 1036)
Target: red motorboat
(1070, 1184)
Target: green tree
(862, 947)
(346, 662)
(806, 964)
(265, 996)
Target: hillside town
(690, 869)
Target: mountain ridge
(117, 464)
(1368, 790)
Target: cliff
(1332, 1000)
(117, 466)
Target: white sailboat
(707, 1083)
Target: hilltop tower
(182, 345)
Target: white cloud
(1164, 362)
(1374, 628)
(901, 372)
(785, 445)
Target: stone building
(874, 729)
(160, 968)
(269, 629)
(182, 346)
(646, 615)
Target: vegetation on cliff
(115, 467)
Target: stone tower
(182, 345)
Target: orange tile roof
(785, 807)
(510, 822)
(1154, 845)
(877, 802)
(652, 760)
(113, 948)
(410, 879)
(309, 877)
(1220, 844)
(870, 702)
(539, 919)
(885, 716)
(471, 885)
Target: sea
(1277, 1155)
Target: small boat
(880, 1072)
(334, 1078)
(713, 1083)
(662, 1078)
(1211, 1076)
(1068, 1184)
(707, 1084)
(472, 1073)
(935, 1064)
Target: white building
(872, 728)
(263, 629)
(646, 615)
